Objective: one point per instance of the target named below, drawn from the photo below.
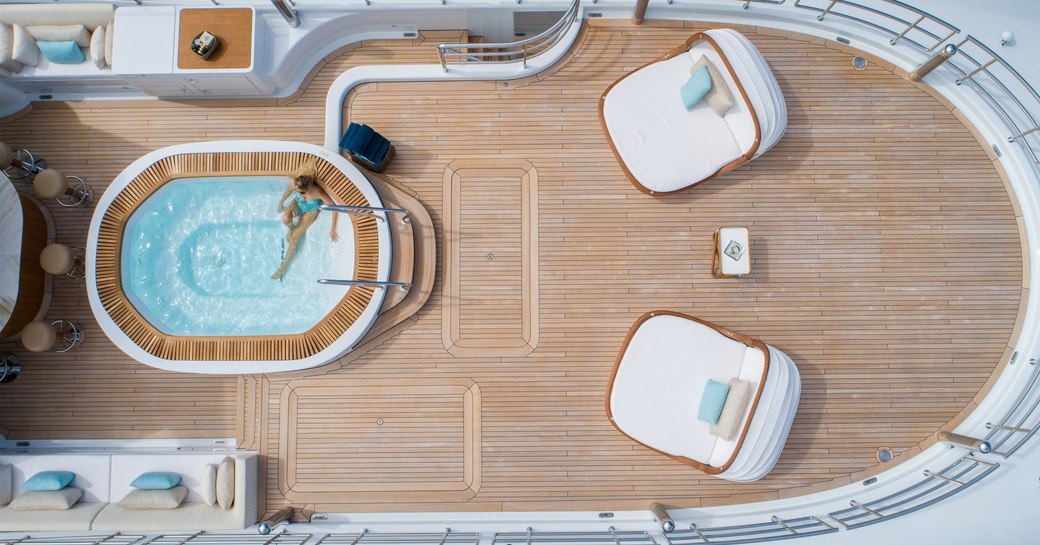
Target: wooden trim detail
(452, 337)
(227, 348)
(743, 95)
(744, 339)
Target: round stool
(60, 259)
(57, 336)
(69, 191)
(19, 164)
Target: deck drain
(380, 421)
(883, 454)
(859, 63)
(491, 255)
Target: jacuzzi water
(198, 255)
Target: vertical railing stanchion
(969, 75)
(1023, 133)
(908, 29)
(826, 10)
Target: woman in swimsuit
(308, 197)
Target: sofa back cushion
(93, 472)
(88, 15)
(190, 466)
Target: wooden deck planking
(879, 227)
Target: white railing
(1004, 88)
(774, 530)
(900, 21)
(935, 487)
(520, 50)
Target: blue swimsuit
(306, 206)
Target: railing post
(1023, 133)
(826, 10)
(663, 518)
(969, 75)
(908, 29)
(932, 63)
(640, 11)
(440, 53)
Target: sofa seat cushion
(190, 516)
(88, 15)
(78, 517)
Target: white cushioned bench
(105, 479)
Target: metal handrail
(511, 51)
(935, 487)
(985, 65)
(858, 12)
(365, 211)
(774, 530)
(1015, 421)
(610, 537)
(747, 3)
(375, 283)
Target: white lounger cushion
(664, 146)
(659, 383)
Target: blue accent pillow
(61, 52)
(712, 402)
(156, 480)
(695, 88)
(49, 480)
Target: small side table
(731, 257)
(234, 27)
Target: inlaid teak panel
(881, 232)
(412, 440)
(490, 287)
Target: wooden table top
(10, 247)
(234, 27)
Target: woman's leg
(295, 232)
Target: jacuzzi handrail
(374, 283)
(364, 211)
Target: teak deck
(887, 264)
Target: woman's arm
(335, 215)
(281, 202)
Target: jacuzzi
(183, 243)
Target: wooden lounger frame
(232, 348)
(744, 339)
(681, 50)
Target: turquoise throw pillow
(712, 401)
(156, 480)
(49, 480)
(61, 52)
(696, 87)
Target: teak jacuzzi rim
(332, 337)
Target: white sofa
(105, 479)
(91, 16)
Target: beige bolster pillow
(719, 97)
(733, 410)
